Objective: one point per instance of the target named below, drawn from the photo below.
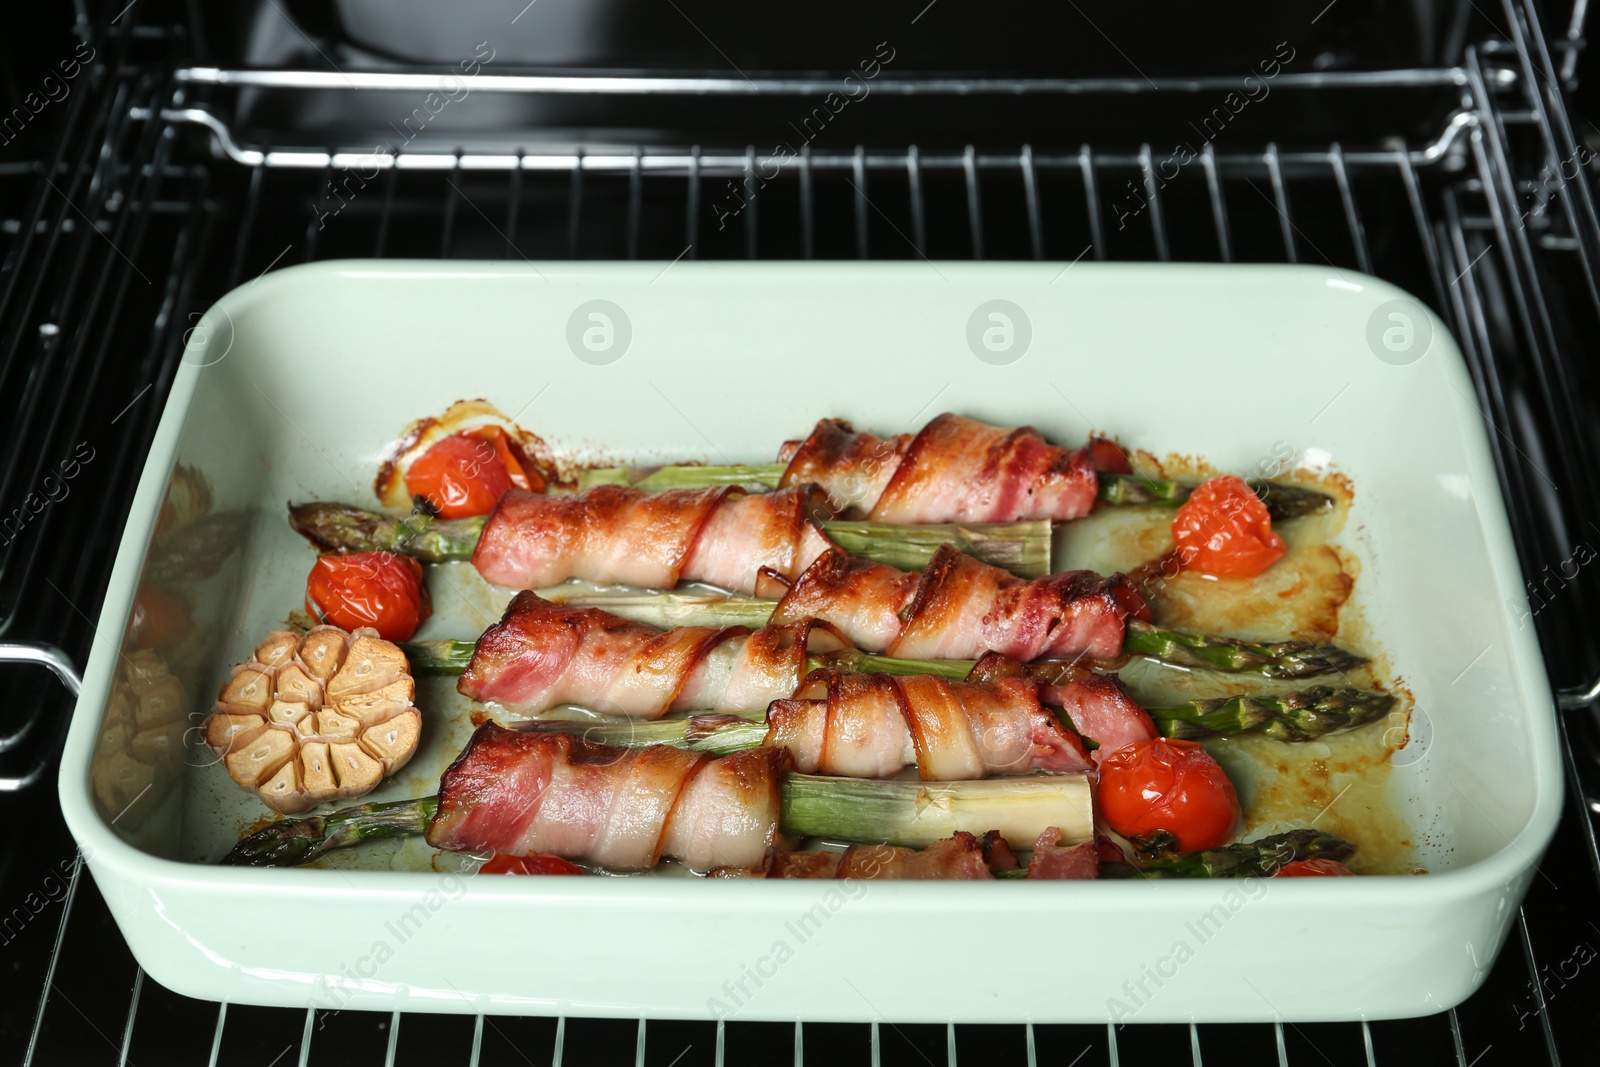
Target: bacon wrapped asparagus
(952, 608)
(852, 725)
(960, 857)
(612, 534)
(541, 654)
(960, 608)
(955, 469)
(621, 808)
(521, 793)
(621, 534)
(872, 725)
(835, 722)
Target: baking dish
(292, 386)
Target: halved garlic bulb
(322, 717)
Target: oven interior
(193, 147)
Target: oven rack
(141, 195)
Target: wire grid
(1515, 290)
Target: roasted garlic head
(322, 717)
(140, 737)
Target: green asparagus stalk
(292, 842)
(1283, 501)
(1289, 717)
(452, 657)
(896, 812)
(1020, 547)
(344, 528)
(684, 476)
(667, 610)
(1023, 548)
(1280, 660)
(1300, 716)
(717, 734)
(438, 657)
(1260, 858)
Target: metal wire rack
(154, 205)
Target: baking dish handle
(63, 668)
(1579, 697)
(45, 656)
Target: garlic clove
(357, 771)
(226, 732)
(250, 687)
(371, 664)
(394, 740)
(277, 649)
(283, 793)
(381, 704)
(322, 651)
(259, 760)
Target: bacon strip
(1097, 704)
(958, 857)
(872, 725)
(541, 654)
(520, 794)
(955, 470)
(1052, 860)
(961, 608)
(615, 533)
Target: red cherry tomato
(1108, 456)
(377, 589)
(1319, 868)
(160, 617)
(538, 863)
(1223, 529)
(1168, 785)
(465, 473)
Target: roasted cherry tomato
(1223, 529)
(160, 617)
(1168, 785)
(538, 863)
(1108, 456)
(1312, 869)
(465, 473)
(377, 589)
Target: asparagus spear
(1283, 501)
(907, 813)
(1290, 717)
(1020, 547)
(1280, 660)
(292, 842)
(1260, 858)
(684, 476)
(1299, 716)
(452, 657)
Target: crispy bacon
(873, 725)
(1100, 708)
(852, 468)
(1053, 861)
(955, 470)
(958, 857)
(521, 794)
(961, 608)
(541, 654)
(615, 533)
